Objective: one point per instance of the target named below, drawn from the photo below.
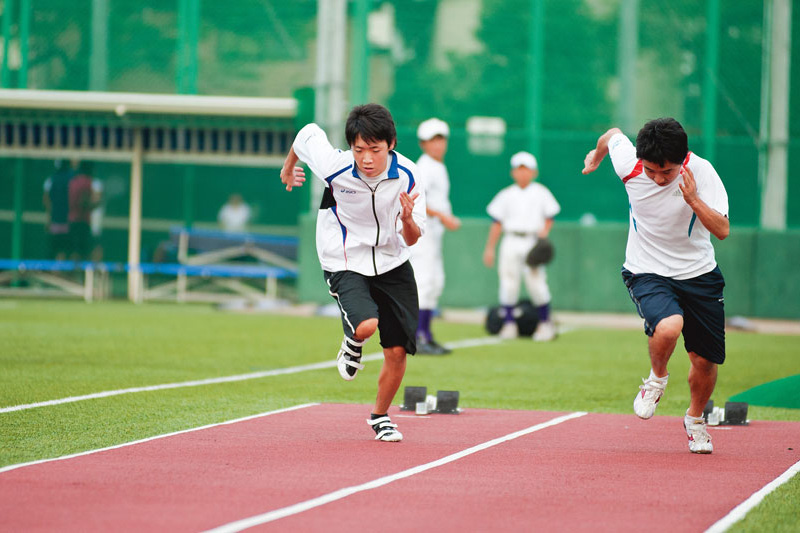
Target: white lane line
(297, 508)
(468, 343)
(739, 512)
(251, 417)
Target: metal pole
(359, 68)
(188, 37)
(329, 87)
(627, 54)
(98, 57)
(535, 82)
(8, 16)
(19, 164)
(193, 34)
(135, 221)
(710, 81)
(775, 185)
(24, 34)
(763, 125)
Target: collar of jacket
(393, 173)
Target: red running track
(592, 473)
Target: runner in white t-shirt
(677, 201)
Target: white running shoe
(646, 401)
(348, 360)
(699, 439)
(509, 331)
(385, 430)
(545, 331)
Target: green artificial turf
(57, 349)
(783, 392)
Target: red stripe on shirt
(635, 172)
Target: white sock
(693, 419)
(662, 380)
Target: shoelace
(697, 432)
(651, 385)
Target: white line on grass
(467, 343)
(739, 512)
(297, 508)
(251, 417)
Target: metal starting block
(417, 399)
(708, 409)
(412, 396)
(734, 414)
(447, 402)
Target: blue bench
(83, 279)
(89, 280)
(192, 282)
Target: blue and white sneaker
(348, 360)
(385, 430)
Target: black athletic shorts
(698, 300)
(390, 297)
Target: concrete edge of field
(564, 319)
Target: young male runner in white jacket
(372, 210)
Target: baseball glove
(541, 253)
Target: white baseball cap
(432, 127)
(523, 159)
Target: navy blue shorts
(698, 300)
(390, 297)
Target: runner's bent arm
(595, 157)
(713, 220)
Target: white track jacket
(358, 223)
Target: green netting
(454, 59)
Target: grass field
(58, 349)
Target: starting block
(734, 414)
(447, 402)
(412, 396)
(707, 410)
(417, 399)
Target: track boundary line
(741, 510)
(467, 343)
(155, 437)
(270, 516)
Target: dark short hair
(372, 122)
(662, 140)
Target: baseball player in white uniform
(426, 255)
(372, 210)
(521, 213)
(677, 201)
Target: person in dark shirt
(56, 204)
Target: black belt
(521, 234)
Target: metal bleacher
(141, 128)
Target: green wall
(759, 269)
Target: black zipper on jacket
(378, 225)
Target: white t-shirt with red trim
(665, 236)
